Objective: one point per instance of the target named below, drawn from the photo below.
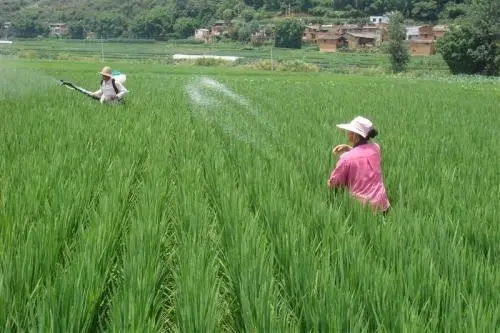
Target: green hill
(163, 19)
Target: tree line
(165, 19)
(470, 47)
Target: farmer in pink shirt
(358, 168)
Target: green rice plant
(201, 204)
(246, 252)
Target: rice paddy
(201, 204)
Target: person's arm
(338, 177)
(340, 149)
(97, 93)
(121, 90)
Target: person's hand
(340, 149)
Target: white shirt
(107, 91)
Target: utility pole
(272, 65)
(5, 30)
(272, 45)
(102, 50)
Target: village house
(439, 31)
(58, 29)
(4, 31)
(353, 36)
(219, 28)
(421, 40)
(422, 47)
(357, 40)
(422, 32)
(345, 28)
(91, 35)
(202, 35)
(330, 41)
(310, 32)
(262, 37)
(378, 32)
(379, 19)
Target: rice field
(162, 52)
(201, 204)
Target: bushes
(288, 34)
(285, 66)
(471, 46)
(185, 26)
(76, 30)
(466, 51)
(27, 24)
(246, 30)
(111, 25)
(156, 23)
(248, 14)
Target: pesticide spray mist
(215, 103)
(17, 82)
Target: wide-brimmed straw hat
(358, 125)
(106, 71)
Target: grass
(170, 214)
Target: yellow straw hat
(106, 71)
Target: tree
(228, 15)
(397, 49)
(27, 24)
(271, 4)
(254, 3)
(76, 30)
(204, 11)
(111, 25)
(155, 23)
(185, 27)
(425, 10)
(453, 11)
(248, 14)
(471, 46)
(288, 33)
(246, 30)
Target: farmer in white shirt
(111, 90)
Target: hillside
(202, 12)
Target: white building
(412, 33)
(4, 30)
(421, 32)
(379, 19)
(58, 29)
(202, 35)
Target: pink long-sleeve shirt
(359, 170)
